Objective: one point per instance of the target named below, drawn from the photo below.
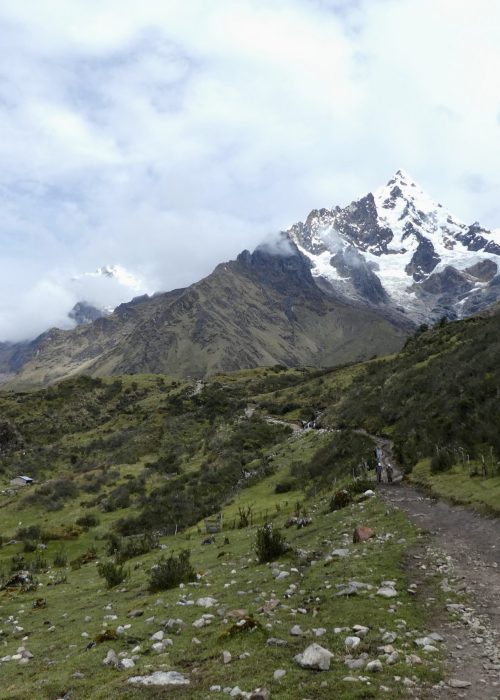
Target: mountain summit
(400, 248)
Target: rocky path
(465, 549)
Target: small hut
(22, 481)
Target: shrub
(113, 573)
(60, 558)
(270, 544)
(29, 546)
(283, 487)
(38, 564)
(441, 461)
(124, 548)
(88, 521)
(340, 499)
(118, 498)
(171, 571)
(33, 532)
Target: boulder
(315, 657)
(362, 533)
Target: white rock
(160, 678)
(387, 592)
(393, 658)
(352, 643)
(319, 632)
(158, 636)
(457, 683)
(110, 659)
(296, 631)
(226, 657)
(126, 663)
(207, 602)
(361, 630)
(279, 673)
(282, 575)
(374, 666)
(315, 657)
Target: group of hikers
(389, 470)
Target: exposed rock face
(382, 247)
(264, 308)
(82, 312)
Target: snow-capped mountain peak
(386, 246)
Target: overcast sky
(168, 135)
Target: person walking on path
(390, 471)
(378, 472)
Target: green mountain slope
(261, 309)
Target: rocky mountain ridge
(399, 248)
(261, 309)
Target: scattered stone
(279, 673)
(274, 642)
(226, 657)
(362, 533)
(160, 678)
(135, 613)
(352, 643)
(387, 592)
(315, 657)
(393, 658)
(282, 575)
(296, 631)
(374, 666)
(207, 602)
(110, 659)
(457, 683)
(158, 636)
(340, 553)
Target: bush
(88, 521)
(29, 546)
(441, 461)
(124, 548)
(38, 564)
(283, 487)
(117, 499)
(171, 571)
(113, 573)
(33, 532)
(340, 499)
(270, 544)
(60, 558)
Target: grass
(230, 573)
(457, 486)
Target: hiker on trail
(390, 471)
(378, 472)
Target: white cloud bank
(168, 136)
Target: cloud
(167, 137)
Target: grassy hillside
(259, 310)
(124, 463)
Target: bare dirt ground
(465, 550)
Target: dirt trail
(465, 548)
